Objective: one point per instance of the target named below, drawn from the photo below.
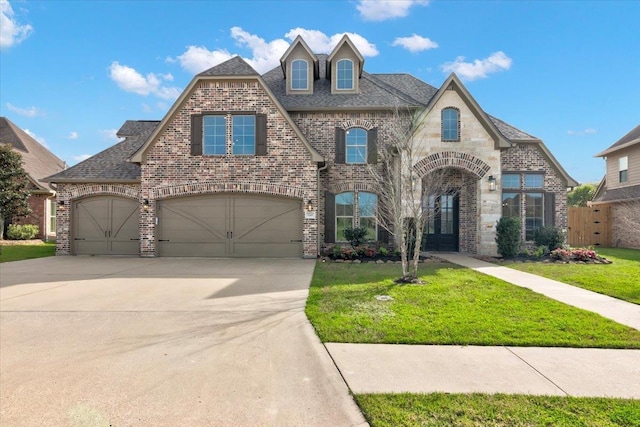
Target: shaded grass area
(619, 280)
(440, 409)
(19, 252)
(456, 306)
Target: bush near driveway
(620, 279)
(456, 306)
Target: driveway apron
(100, 341)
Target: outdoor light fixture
(309, 205)
(492, 183)
(145, 204)
(61, 202)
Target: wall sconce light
(145, 204)
(61, 202)
(309, 205)
(492, 183)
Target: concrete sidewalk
(622, 312)
(392, 368)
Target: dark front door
(442, 230)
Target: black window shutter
(383, 234)
(329, 217)
(340, 145)
(372, 146)
(261, 135)
(550, 209)
(196, 135)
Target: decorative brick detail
(132, 192)
(452, 159)
(357, 123)
(342, 187)
(211, 187)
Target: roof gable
(631, 138)
(235, 66)
(38, 162)
(300, 43)
(345, 40)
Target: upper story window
(624, 168)
(344, 71)
(510, 180)
(244, 135)
(450, 124)
(299, 75)
(209, 134)
(214, 135)
(533, 180)
(356, 145)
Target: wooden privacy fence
(589, 226)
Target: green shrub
(22, 232)
(508, 236)
(383, 251)
(337, 251)
(548, 236)
(356, 235)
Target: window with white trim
(623, 163)
(299, 74)
(356, 209)
(344, 71)
(356, 145)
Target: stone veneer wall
(69, 193)
(528, 157)
(171, 171)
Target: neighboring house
(620, 189)
(278, 165)
(39, 163)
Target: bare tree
(404, 205)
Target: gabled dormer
(300, 67)
(344, 67)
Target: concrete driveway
(99, 341)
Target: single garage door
(230, 226)
(106, 225)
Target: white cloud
(109, 135)
(29, 112)
(381, 10)
(266, 55)
(415, 43)
(73, 135)
(480, 68)
(11, 31)
(130, 80)
(587, 131)
(40, 139)
(81, 157)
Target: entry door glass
(441, 231)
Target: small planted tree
(508, 232)
(14, 183)
(549, 236)
(356, 235)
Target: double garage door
(226, 225)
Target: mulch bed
(544, 259)
(21, 242)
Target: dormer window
(344, 71)
(299, 74)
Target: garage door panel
(230, 225)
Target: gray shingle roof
(509, 131)
(633, 134)
(235, 66)
(37, 160)
(619, 194)
(111, 164)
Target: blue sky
(71, 72)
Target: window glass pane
(533, 213)
(371, 226)
(299, 74)
(341, 224)
(623, 176)
(52, 216)
(511, 204)
(367, 204)
(356, 146)
(244, 135)
(214, 141)
(344, 204)
(449, 124)
(344, 79)
(533, 180)
(511, 180)
(446, 214)
(430, 204)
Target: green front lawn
(619, 280)
(440, 409)
(19, 252)
(456, 306)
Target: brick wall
(38, 215)
(171, 171)
(625, 225)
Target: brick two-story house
(279, 164)
(620, 189)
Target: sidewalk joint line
(535, 369)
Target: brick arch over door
(244, 187)
(452, 159)
(128, 191)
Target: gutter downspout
(320, 169)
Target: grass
(619, 280)
(440, 409)
(456, 306)
(19, 252)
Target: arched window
(450, 124)
(344, 71)
(356, 209)
(356, 146)
(299, 75)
